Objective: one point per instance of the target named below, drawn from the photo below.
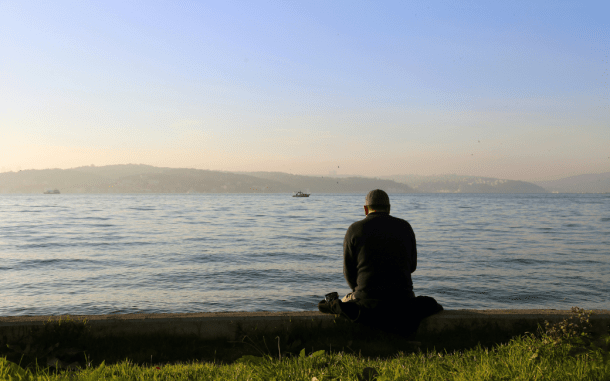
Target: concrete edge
(228, 336)
(227, 326)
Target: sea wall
(227, 336)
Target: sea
(86, 254)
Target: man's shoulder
(396, 221)
(388, 217)
(357, 224)
(404, 222)
(374, 219)
(400, 220)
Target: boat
(53, 191)
(301, 194)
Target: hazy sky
(517, 91)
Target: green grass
(562, 351)
(524, 358)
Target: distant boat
(301, 194)
(54, 191)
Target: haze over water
(101, 254)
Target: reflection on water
(94, 254)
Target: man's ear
(366, 210)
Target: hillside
(326, 184)
(466, 184)
(132, 178)
(591, 183)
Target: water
(105, 254)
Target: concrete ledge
(194, 336)
(206, 326)
(228, 325)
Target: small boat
(301, 194)
(54, 191)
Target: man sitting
(379, 255)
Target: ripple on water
(98, 254)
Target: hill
(130, 178)
(327, 184)
(591, 183)
(466, 184)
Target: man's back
(379, 256)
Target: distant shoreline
(145, 179)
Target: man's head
(376, 201)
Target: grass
(562, 351)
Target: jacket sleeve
(350, 265)
(413, 259)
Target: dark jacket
(379, 255)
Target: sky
(515, 90)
